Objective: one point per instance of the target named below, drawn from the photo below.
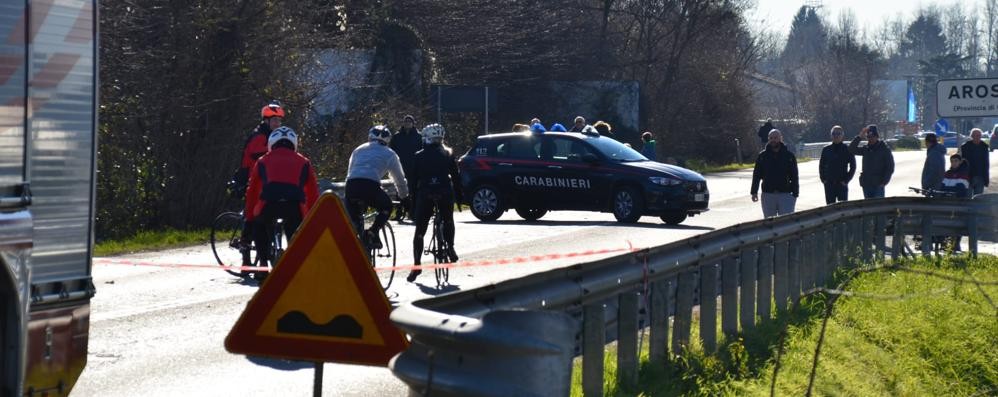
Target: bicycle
(939, 243)
(229, 249)
(439, 247)
(386, 255)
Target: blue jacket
(935, 167)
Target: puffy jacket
(434, 168)
(878, 163)
(935, 167)
(281, 175)
(405, 143)
(978, 158)
(372, 161)
(958, 180)
(836, 164)
(777, 170)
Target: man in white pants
(776, 168)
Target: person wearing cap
(405, 143)
(580, 123)
(878, 162)
(776, 168)
(976, 151)
(935, 163)
(836, 168)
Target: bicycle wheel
(226, 232)
(440, 254)
(386, 256)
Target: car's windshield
(614, 150)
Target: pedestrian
(580, 123)
(764, 130)
(878, 162)
(776, 167)
(603, 128)
(535, 120)
(836, 168)
(405, 143)
(521, 128)
(648, 149)
(976, 151)
(957, 177)
(935, 163)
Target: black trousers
(426, 200)
(834, 191)
(289, 212)
(364, 193)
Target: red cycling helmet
(272, 110)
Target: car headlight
(665, 181)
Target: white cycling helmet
(433, 133)
(282, 133)
(379, 133)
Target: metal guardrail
(519, 337)
(813, 150)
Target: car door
(579, 184)
(522, 170)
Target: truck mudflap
(57, 349)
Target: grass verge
(899, 333)
(152, 240)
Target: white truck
(48, 130)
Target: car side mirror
(590, 158)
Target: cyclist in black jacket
(435, 182)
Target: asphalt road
(159, 331)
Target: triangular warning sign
(322, 302)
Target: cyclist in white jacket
(368, 164)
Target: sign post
(967, 98)
(322, 302)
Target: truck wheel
(674, 217)
(530, 214)
(627, 205)
(486, 203)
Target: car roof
(504, 135)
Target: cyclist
(436, 183)
(282, 185)
(369, 162)
(271, 115)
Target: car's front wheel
(627, 205)
(674, 217)
(530, 214)
(486, 203)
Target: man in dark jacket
(764, 131)
(406, 142)
(776, 167)
(878, 162)
(836, 168)
(975, 151)
(935, 163)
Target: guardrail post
(708, 306)
(807, 262)
(684, 312)
(794, 255)
(781, 286)
(972, 234)
(670, 303)
(593, 347)
(898, 239)
(657, 348)
(880, 236)
(866, 237)
(729, 298)
(821, 257)
(627, 339)
(764, 298)
(747, 289)
(855, 240)
(926, 235)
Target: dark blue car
(537, 173)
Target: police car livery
(536, 173)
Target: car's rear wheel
(486, 203)
(530, 214)
(674, 217)
(627, 205)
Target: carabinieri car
(537, 173)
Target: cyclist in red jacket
(282, 185)
(255, 147)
